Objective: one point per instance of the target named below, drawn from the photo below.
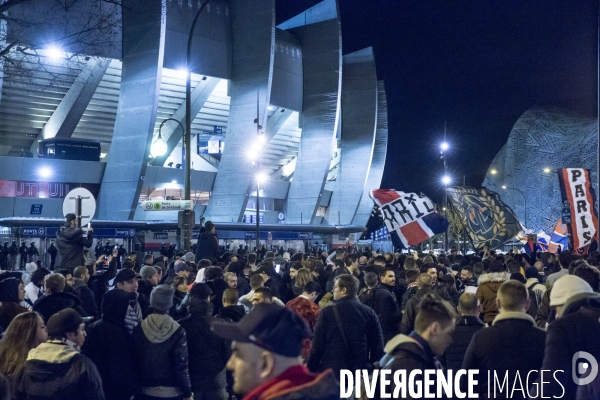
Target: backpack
(533, 306)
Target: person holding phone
(70, 242)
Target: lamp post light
(159, 146)
(524, 200)
(187, 217)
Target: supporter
(231, 279)
(26, 331)
(304, 305)
(100, 277)
(468, 324)
(589, 274)
(208, 244)
(256, 281)
(56, 369)
(126, 280)
(12, 294)
(160, 351)
(265, 360)
(55, 299)
(467, 276)
(207, 352)
(513, 344)
(231, 311)
(213, 277)
(424, 287)
(70, 243)
(371, 280)
(487, 289)
(262, 295)
(420, 350)
(533, 283)
(182, 269)
(303, 276)
(266, 271)
(179, 309)
(383, 302)
(448, 284)
(81, 277)
(150, 279)
(68, 275)
(35, 288)
(564, 260)
(108, 345)
(347, 334)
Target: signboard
(251, 218)
(42, 190)
(98, 232)
(34, 232)
(249, 235)
(305, 235)
(36, 209)
(281, 216)
(218, 130)
(167, 205)
(161, 235)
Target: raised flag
(579, 199)
(409, 216)
(559, 239)
(489, 221)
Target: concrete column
(143, 49)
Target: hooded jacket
(70, 243)
(9, 299)
(576, 330)
(50, 305)
(108, 345)
(161, 355)
(486, 293)
(404, 353)
(232, 313)
(85, 294)
(208, 353)
(55, 370)
(208, 247)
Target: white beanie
(30, 267)
(566, 287)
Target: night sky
(474, 65)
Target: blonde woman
(302, 278)
(26, 331)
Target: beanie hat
(30, 267)
(161, 298)
(125, 275)
(182, 266)
(67, 320)
(532, 272)
(566, 287)
(518, 277)
(189, 257)
(147, 272)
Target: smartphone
(277, 267)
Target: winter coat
(405, 353)
(99, 283)
(108, 345)
(513, 343)
(232, 313)
(9, 301)
(486, 293)
(466, 327)
(363, 335)
(56, 371)
(208, 353)
(50, 305)
(305, 309)
(297, 383)
(178, 310)
(208, 247)
(85, 294)
(70, 243)
(412, 308)
(577, 330)
(545, 313)
(161, 355)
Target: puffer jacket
(161, 352)
(50, 305)
(208, 353)
(70, 243)
(54, 371)
(486, 293)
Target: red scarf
(292, 379)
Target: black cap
(125, 275)
(262, 270)
(200, 290)
(69, 217)
(272, 327)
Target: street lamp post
(187, 217)
(445, 180)
(524, 200)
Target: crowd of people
(282, 324)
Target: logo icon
(149, 206)
(157, 206)
(587, 370)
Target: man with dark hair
(231, 311)
(126, 280)
(55, 299)
(266, 360)
(424, 287)
(208, 244)
(150, 279)
(468, 324)
(56, 369)
(420, 350)
(256, 281)
(81, 276)
(564, 259)
(304, 305)
(383, 302)
(70, 243)
(468, 279)
(266, 271)
(262, 295)
(513, 344)
(347, 334)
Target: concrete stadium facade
(323, 114)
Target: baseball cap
(272, 327)
(125, 275)
(262, 270)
